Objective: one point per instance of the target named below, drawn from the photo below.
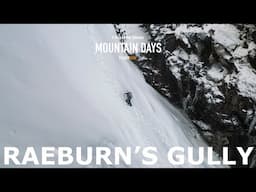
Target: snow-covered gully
(57, 91)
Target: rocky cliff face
(208, 70)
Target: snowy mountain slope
(208, 70)
(56, 91)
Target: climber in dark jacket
(128, 98)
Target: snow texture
(56, 91)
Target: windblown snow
(56, 91)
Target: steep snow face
(56, 91)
